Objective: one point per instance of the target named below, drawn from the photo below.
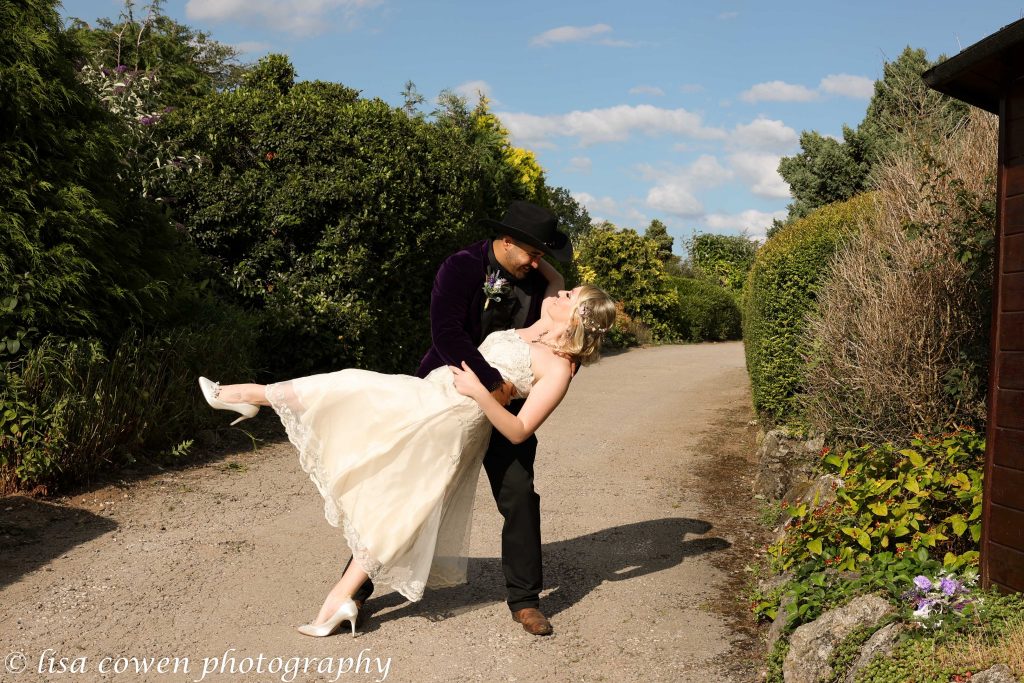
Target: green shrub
(780, 291)
(626, 265)
(331, 214)
(724, 260)
(82, 254)
(69, 410)
(922, 499)
(705, 312)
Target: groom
(498, 284)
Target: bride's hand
(467, 383)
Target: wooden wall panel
(1006, 527)
(1005, 566)
(1008, 448)
(1014, 177)
(1011, 332)
(1007, 485)
(1014, 143)
(1010, 408)
(1012, 258)
(1013, 215)
(1010, 369)
(1011, 293)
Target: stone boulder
(811, 646)
(881, 642)
(783, 461)
(1000, 673)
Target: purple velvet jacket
(456, 304)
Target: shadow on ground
(34, 532)
(572, 568)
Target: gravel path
(644, 479)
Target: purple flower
(147, 120)
(923, 583)
(121, 68)
(948, 586)
(105, 71)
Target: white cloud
(752, 222)
(761, 173)
(675, 191)
(251, 47)
(607, 209)
(471, 90)
(597, 207)
(725, 16)
(859, 87)
(778, 91)
(646, 90)
(762, 133)
(580, 164)
(846, 85)
(607, 125)
(569, 34)
(298, 17)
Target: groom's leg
(509, 468)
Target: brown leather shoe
(533, 621)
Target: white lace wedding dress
(396, 459)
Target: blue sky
(676, 110)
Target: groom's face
(518, 258)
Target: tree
(903, 113)
(189, 64)
(626, 265)
(723, 260)
(329, 214)
(657, 232)
(82, 254)
(573, 218)
(825, 171)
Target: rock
(811, 646)
(881, 642)
(1000, 673)
(783, 461)
(822, 490)
(781, 617)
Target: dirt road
(199, 573)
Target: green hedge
(780, 290)
(330, 214)
(706, 312)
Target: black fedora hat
(535, 226)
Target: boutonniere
(495, 287)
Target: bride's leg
(347, 585)
(244, 393)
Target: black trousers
(509, 469)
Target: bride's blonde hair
(591, 319)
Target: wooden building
(990, 75)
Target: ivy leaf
(864, 539)
(815, 546)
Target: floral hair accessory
(588, 324)
(495, 287)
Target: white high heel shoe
(346, 611)
(210, 391)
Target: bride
(396, 458)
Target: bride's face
(560, 306)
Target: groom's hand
(503, 394)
